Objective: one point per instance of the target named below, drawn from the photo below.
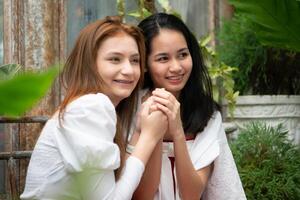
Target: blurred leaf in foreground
(20, 93)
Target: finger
(163, 101)
(153, 108)
(165, 110)
(163, 94)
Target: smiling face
(170, 62)
(118, 63)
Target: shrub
(261, 69)
(268, 162)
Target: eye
(114, 60)
(135, 61)
(183, 55)
(162, 59)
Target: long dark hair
(196, 99)
(80, 77)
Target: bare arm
(191, 182)
(151, 177)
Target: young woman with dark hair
(184, 164)
(82, 147)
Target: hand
(138, 118)
(154, 123)
(168, 104)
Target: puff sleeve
(85, 139)
(206, 148)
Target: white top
(77, 160)
(209, 146)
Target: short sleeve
(206, 147)
(85, 137)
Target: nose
(175, 66)
(127, 68)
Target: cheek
(157, 70)
(188, 65)
(137, 72)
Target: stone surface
(270, 109)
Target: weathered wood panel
(34, 37)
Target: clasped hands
(159, 114)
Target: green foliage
(268, 163)
(219, 73)
(239, 47)
(121, 8)
(142, 12)
(277, 21)
(21, 92)
(261, 69)
(165, 4)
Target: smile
(124, 81)
(175, 78)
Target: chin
(174, 88)
(124, 95)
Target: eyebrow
(165, 54)
(135, 55)
(160, 54)
(120, 54)
(183, 49)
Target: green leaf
(205, 40)
(135, 14)
(278, 23)
(121, 7)
(21, 92)
(165, 4)
(146, 13)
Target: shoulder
(89, 100)
(91, 103)
(216, 118)
(206, 146)
(213, 128)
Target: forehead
(120, 42)
(167, 40)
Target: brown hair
(80, 77)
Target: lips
(124, 81)
(175, 78)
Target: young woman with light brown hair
(81, 147)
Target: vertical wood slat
(34, 36)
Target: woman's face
(118, 63)
(170, 62)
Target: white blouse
(209, 146)
(77, 159)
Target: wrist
(178, 135)
(144, 148)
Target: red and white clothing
(209, 146)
